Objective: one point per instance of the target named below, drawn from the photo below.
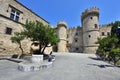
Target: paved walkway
(65, 67)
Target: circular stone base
(27, 66)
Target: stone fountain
(34, 62)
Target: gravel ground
(71, 66)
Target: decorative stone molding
(27, 66)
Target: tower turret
(90, 26)
(62, 34)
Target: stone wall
(9, 26)
(25, 13)
(83, 39)
(74, 37)
(105, 31)
(80, 39)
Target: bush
(114, 55)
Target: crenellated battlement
(62, 23)
(74, 28)
(87, 12)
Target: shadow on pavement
(95, 58)
(101, 65)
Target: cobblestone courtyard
(65, 67)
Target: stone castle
(82, 39)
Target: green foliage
(45, 35)
(114, 26)
(114, 55)
(109, 47)
(17, 38)
(107, 43)
(115, 51)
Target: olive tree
(17, 38)
(45, 35)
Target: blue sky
(70, 10)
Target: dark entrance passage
(55, 48)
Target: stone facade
(12, 17)
(80, 39)
(105, 31)
(75, 39)
(83, 39)
(90, 29)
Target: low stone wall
(5, 56)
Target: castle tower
(62, 34)
(90, 26)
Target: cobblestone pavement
(65, 67)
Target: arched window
(103, 34)
(76, 34)
(91, 17)
(108, 33)
(89, 36)
(76, 48)
(67, 36)
(96, 26)
(76, 40)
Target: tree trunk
(114, 60)
(44, 49)
(40, 48)
(20, 46)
